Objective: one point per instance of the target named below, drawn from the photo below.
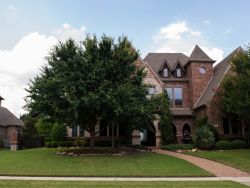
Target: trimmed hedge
(238, 144)
(227, 145)
(174, 147)
(223, 144)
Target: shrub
(68, 144)
(47, 144)
(61, 144)
(79, 142)
(204, 138)
(238, 144)
(58, 132)
(174, 147)
(203, 122)
(223, 145)
(54, 144)
(167, 133)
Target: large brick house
(192, 84)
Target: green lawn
(44, 162)
(236, 158)
(66, 184)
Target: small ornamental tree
(58, 133)
(160, 103)
(44, 128)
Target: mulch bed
(100, 151)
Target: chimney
(1, 98)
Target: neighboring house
(192, 84)
(10, 126)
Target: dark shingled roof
(219, 71)
(9, 119)
(156, 60)
(199, 55)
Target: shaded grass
(45, 162)
(236, 158)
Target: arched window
(186, 134)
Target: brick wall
(198, 81)
(185, 91)
(179, 122)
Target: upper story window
(165, 72)
(178, 96)
(175, 96)
(178, 73)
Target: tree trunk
(92, 140)
(113, 138)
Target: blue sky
(30, 28)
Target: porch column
(157, 134)
(136, 137)
(97, 128)
(14, 142)
(243, 128)
(117, 131)
(78, 131)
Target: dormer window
(165, 72)
(178, 73)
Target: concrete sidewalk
(242, 180)
(216, 168)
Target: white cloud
(180, 37)
(173, 31)
(23, 62)
(66, 31)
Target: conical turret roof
(199, 55)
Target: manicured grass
(45, 162)
(236, 158)
(66, 184)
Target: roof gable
(165, 62)
(156, 61)
(199, 55)
(178, 64)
